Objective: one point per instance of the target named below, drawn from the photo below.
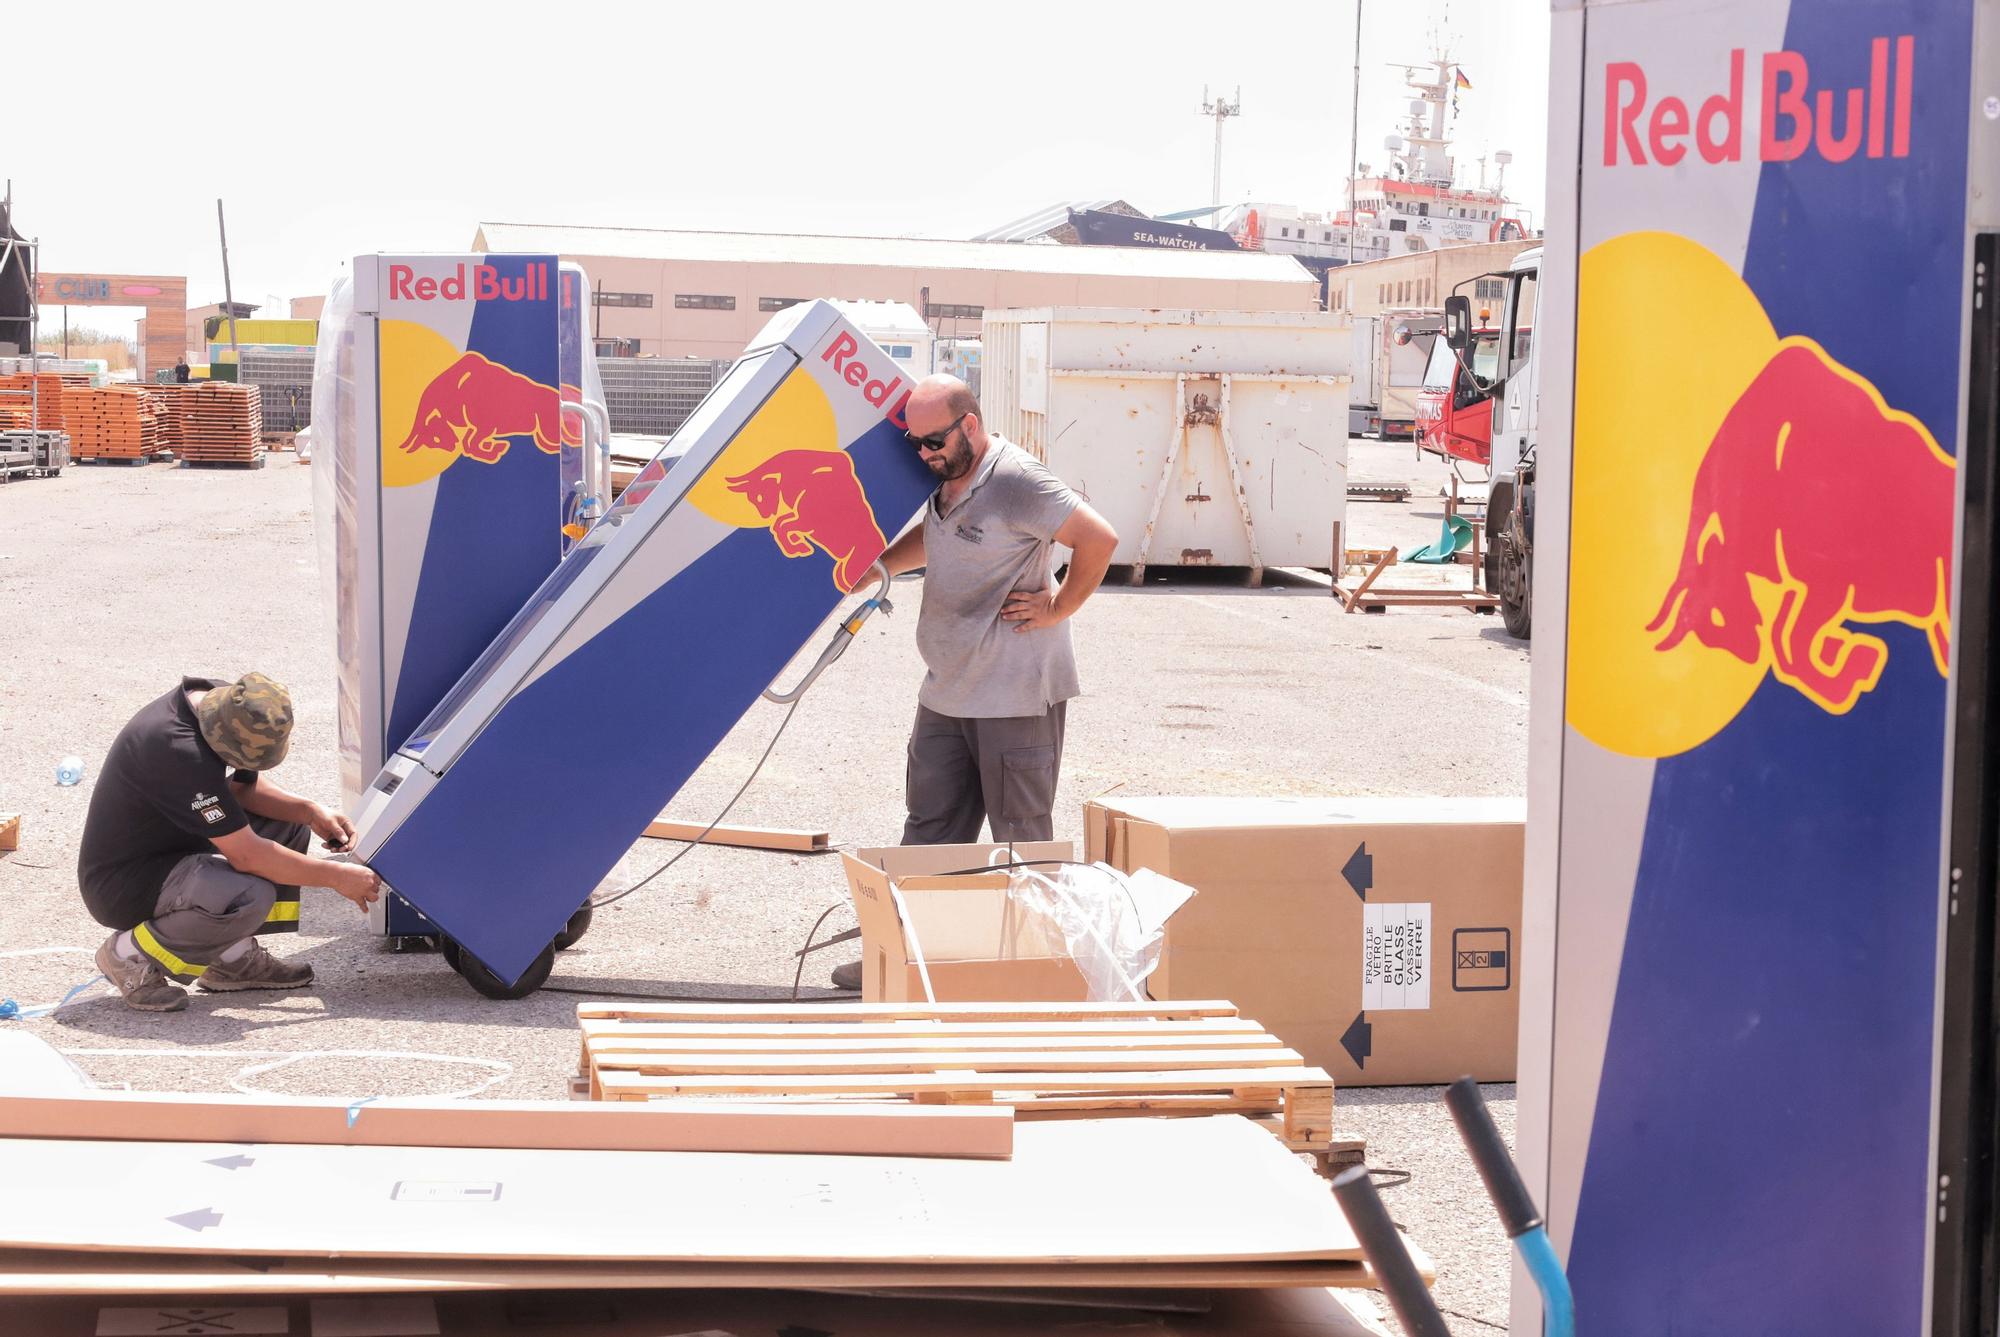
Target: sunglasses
(939, 440)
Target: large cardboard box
(977, 945)
(1376, 936)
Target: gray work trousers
(964, 771)
(206, 907)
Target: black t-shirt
(162, 794)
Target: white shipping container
(1206, 438)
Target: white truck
(1390, 353)
(1510, 506)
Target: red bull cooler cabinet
(1758, 1050)
(508, 803)
(461, 447)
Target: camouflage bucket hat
(247, 722)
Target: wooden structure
(219, 423)
(1044, 1059)
(163, 331)
(1366, 596)
(112, 422)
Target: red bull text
(840, 351)
(813, 500)
(474, 283)
(1794, 118)
(1814, 485)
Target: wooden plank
(53, 1272)
(829, 1012)
(1353, 597)
(1081, 1063)
(1198, 1029)
(630, 1085)
(926, 1044)
(10, 830)
(1252, 1201)
(849, 1129)
(749, 837)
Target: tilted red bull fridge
(1757, 1060)
(520, 791)
(459, 452)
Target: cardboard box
(976, 945)
(1378, 937)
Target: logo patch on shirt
(202, 800)
(970, 533)
(213, 815)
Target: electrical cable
(599, 902)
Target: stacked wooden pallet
(220, 424)
(113, 422)
(1043, 1059)
(20, 412)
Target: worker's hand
(357, 882)
(1031, 610)
(335, 828)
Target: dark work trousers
(207, 907)
(965, 771)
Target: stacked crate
(220, 423)
(113, 422)
(285, 378)
(41, 410)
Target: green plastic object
(1455, 538)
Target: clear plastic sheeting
(1113, 923)
(339, 441)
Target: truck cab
(1455, 407)
(1513, 389)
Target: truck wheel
(1514, 586)
(579, 924)
(492, 986)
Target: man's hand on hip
(1031, 610)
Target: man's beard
(953, 463)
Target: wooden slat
(749, 837)
(752, 1050)
(629, 1085)
(831, 1012)
(1084, 1061)
(975, 1032)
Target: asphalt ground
(116, 580)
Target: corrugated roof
(889, 252)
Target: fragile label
(1395, 956)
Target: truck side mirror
(1458, 323)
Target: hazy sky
(330, 129)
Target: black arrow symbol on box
(198, 1221)
(1359, 1040)
(1359, 870)
(237, 1162)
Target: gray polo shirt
(996, 540)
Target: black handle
(1383, 1246)
(1489, 1154)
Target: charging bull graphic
(1815, 485)
(476, 404)
(812, 499)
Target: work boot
(256, 969)
(142, 982)
(847, 976)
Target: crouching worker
(188, 861)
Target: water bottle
(69, 770)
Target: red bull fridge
(1757, 1062)
(514, 797)
(461, 447)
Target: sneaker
(256, 969)
(142, 982)
(847, 976)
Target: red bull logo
(812, 500)
(475, 283)
(476, 406)
(1794, 117)
(1844, 507)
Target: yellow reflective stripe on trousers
(150, 945)
(283, 912)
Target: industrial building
(663, 293)
(1424, 279)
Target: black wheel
(1515, 587)
(579, 924)
(486, 982)
(448, 949)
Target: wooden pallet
(220, 423)
(1047, 1060)
(116, 422)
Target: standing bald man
(994, 628)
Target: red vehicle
(1454, 412)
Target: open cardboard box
(977, 945)
(1379, 937)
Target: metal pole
(65, 333)
(1354, 139)
(1215, 186)
(228, 297)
